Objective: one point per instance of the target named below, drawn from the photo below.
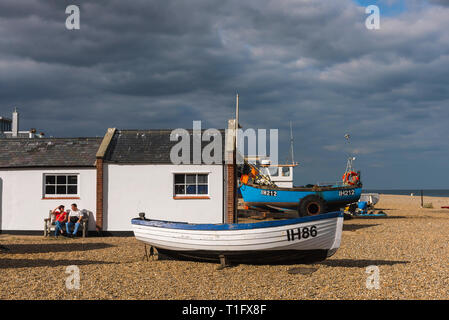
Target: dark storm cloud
(162, 64)
(440, 2)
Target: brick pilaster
(231, 174)
(99, 212)
(100, 186)
(231, 193)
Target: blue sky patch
(387, 8)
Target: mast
(236, 216)
(291, 143)
(349, 167)
(236, 118)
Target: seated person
(60, 218)
(75, 218)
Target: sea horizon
(416, 192)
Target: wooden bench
(50, 225)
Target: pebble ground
(410, 249)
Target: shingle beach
(409, 247)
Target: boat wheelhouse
(280, 174)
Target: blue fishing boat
(308, 201)
(259, 192)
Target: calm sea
(416, 192)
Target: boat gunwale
(234, 226)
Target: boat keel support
(223, 262)
(153, 253)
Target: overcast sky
(162, 64)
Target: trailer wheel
(311, 206)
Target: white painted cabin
(34, 178)
(37, 175)
(139, 177)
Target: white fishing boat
(306, 239)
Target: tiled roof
(146, 146)
(48, 152)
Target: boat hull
(288, 198)
(306, 239)
(252, 257)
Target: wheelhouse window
(188, 184)
(286, 171)
(61, 185)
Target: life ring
(350, 178)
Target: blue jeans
(69, 225)
(57, 228)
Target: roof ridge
(162, 130)
(49, 152)
(48, 138)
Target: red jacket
(60, 216)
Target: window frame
(58, 195)
(190, 196)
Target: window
(286, 171)
(188, 184)
(60, 185)
(274, 171)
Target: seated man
(75, 218)
(60, 218)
